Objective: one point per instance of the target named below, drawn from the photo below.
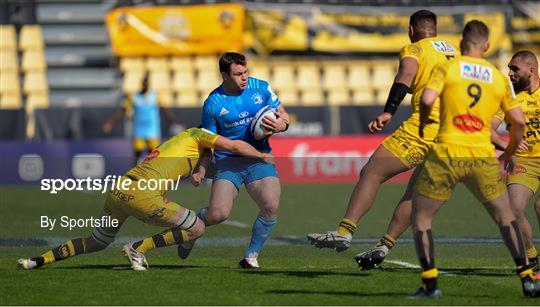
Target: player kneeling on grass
(172, 161)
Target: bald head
(422, 24)
(475, 37)
(523, 71)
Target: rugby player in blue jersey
(228, 111)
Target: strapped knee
(187, 220)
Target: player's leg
(501, 213)
(520, 195)
(424, 210)
(381, 166)
(139, 145)
(98, 240)
(266, 193)
(401, 219)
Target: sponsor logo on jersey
(468, 123)
(151, 156)
(443, 47)
(519, 169)
(257, 98)
(243, 114)
(243, 121)
(476, 72)
(223, 112)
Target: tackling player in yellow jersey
(401, 151)
(171, 161)
(523, 182)
(471, 90)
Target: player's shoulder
(257, 83)
(215, 97)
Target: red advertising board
(325, 159)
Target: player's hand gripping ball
(257, 130)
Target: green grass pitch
(291, 274)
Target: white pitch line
(235, 224)
(409, 265)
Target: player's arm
(496, 139)
(429, 96)
(117, 115)
(408, 67)
(516, 127)
(200, 172)
(280, 124)
(240, 148)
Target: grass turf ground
(291, 274)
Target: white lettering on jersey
(443, 47)
(273, 95)
(223, 112)
(476, 72)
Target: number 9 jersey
(471, 91)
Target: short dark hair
(422, 16)
(527, 56)
(475, 32)
(229, 58)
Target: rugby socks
(425, 249)
(262, 228)
(67, 249)
(346, 227)
(167, 238)
(387, 240)
(514, 242)
(202, 216)
(429, 278)
(532, 253)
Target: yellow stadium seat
(31, 38)
(10, 101)
(188, 99)
(8, 62)
(182, 63)
(283, 78)
(9, 83)
(160, 80)
(33, 60)
(383, 75)
(183, 80)
(165, 98)
(35, 82)
(8, 38)
(359, 77)
(382, 96)
(206, 62)
(312, 97)
(39, 100)
(289, 97)
(207, 80)
(260, 71)
(132, 81)
(334, 76)
(338, 97)
(407, 100)
(156, 64)
(309, 77)
(363, 97)
(132, 64)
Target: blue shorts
(240, 170)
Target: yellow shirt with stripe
(471, 90)
(530, 104)
(428, 52)
(176, 157)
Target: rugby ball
(257, 130)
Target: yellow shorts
(526, 173)
(143, 144)
(148, 206)
(446, 165)
(407, 147)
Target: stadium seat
(260, 71)
(8, 38)
(206, 62)
(31, 38)
(33, 60)
(407, 100)
(182, 63)
(363, 97)
(9, 83)
(8, 62)
(359, 77)
(156, 64)
(382, 96)
(134, 64)
(160, 80)
(35, 82)
(312, 97)
(38, 100)
(165, 98)
(132, 81)
(207, 80)
(283, 78)
(10, 101)
(309, 77)
(334, 76)
(288, 96)
(188, 98)
(383, 75)
(338, 96)
(183, 80)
